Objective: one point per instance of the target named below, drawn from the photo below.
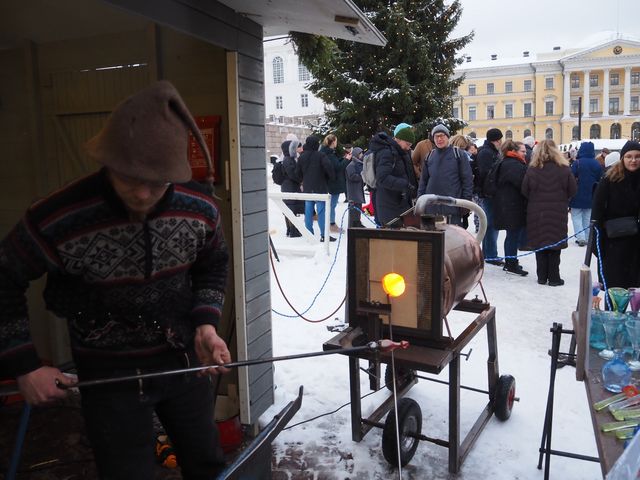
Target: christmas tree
(370, 88)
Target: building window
(278, 70)
(490, 88)
(454, 113)
(575, 105)
(614, 79)
(614, 106)
(508, 87)
(508, 135)
(548, 83)
(472, 113)
(303, 73)
(508, 110)
(593, 80)
(527, 85)
(635, 78)
(527, 133)
(491, 112)
(527, 110)
(593, 105)
(634, 104)
(575, 81)
(472, 90)
(575, 133)
(615, 131)
(278, 102)
(548, 134)
(304, 100)
(635, 131)
(548, 107)
(594, 131)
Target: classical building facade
(285, 81)
(542, 95)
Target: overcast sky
(508, 27)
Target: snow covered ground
(504, 450)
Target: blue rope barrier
(546, 247)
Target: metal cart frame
(431, 359)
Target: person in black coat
(396, 184)
(355, 187)
(509, 205)
(489, 154)
(618, 195)
(316, 170)
(291, 183)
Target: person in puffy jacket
(355, 186)
(588, 172)
(548, 186)
(316, 170)
(291, 183)
(396, 184)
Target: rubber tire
(505, 394)
(403, 377)
(410, 420)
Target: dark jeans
(490, 240)
(548, 266)
(119, 421)
(512, 241)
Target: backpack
(369, 169)
(277, 173)
(490, 184)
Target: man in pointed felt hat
(136, 263)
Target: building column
(605, 94)
(567, 95)
(627, 90)
(585, 96)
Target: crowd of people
(534, 187)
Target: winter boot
(512, 266)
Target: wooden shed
(65, 64)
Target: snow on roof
(499, 62)
(605, 36)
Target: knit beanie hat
(355, 152)
(406, 134)
(399, 127)
(494, 134)
(529, 141)
(630, 145)
(440, 129)
(146, 137)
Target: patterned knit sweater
(126, 288)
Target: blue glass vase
(616, 374)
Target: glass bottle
(616, 374)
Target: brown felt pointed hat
(146, 136)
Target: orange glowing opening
(393, 284)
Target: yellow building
(540, 94)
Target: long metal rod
(383, 345)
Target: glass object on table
(619, 298)
(634, 300)
(615, 322)
(633, 329)
(616, 374)
(596, 331)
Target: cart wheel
(410, 420)
(403, 377)
(505, 395)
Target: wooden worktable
(609, 448)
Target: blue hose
(17, 449)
